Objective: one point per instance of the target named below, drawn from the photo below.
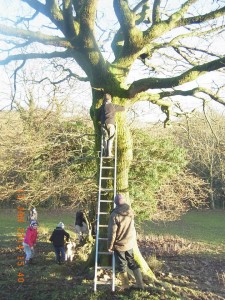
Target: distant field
(197, 226)
(48, 220)
(200, 226)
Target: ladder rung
(104, 282)
(108, 157)
(106, 201)
(105, 189)
(106, 253)
(104, 267)
(107, 167)
(103, 225)
(107, 177)
(103, 239)
(103, 213)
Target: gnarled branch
(188, 76)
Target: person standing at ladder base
(106, 114)
(121, 239)
(81, 228)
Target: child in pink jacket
(30, 241)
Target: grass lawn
(45, 280)
(47, 219)
(200, 226)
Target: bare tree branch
(69, 25)
(14, 84)
(133, 37)
(23, 19)
(65, 54)
(203, 18)
(190, 75)
(35, 37)
(177, 20)
(156, 12)
(144, 15)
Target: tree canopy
(144, 51)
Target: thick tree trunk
(147, 272)
(124, 159)
(124, 154)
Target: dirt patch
(197, 273)
(191, 276)
(181, 268)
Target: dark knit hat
(119, 199)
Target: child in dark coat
(58, 239)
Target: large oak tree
(157, 51)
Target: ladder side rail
(115, 164)
(115, 172)
(98, 210)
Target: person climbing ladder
(106, 114)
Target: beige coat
(121, 231)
